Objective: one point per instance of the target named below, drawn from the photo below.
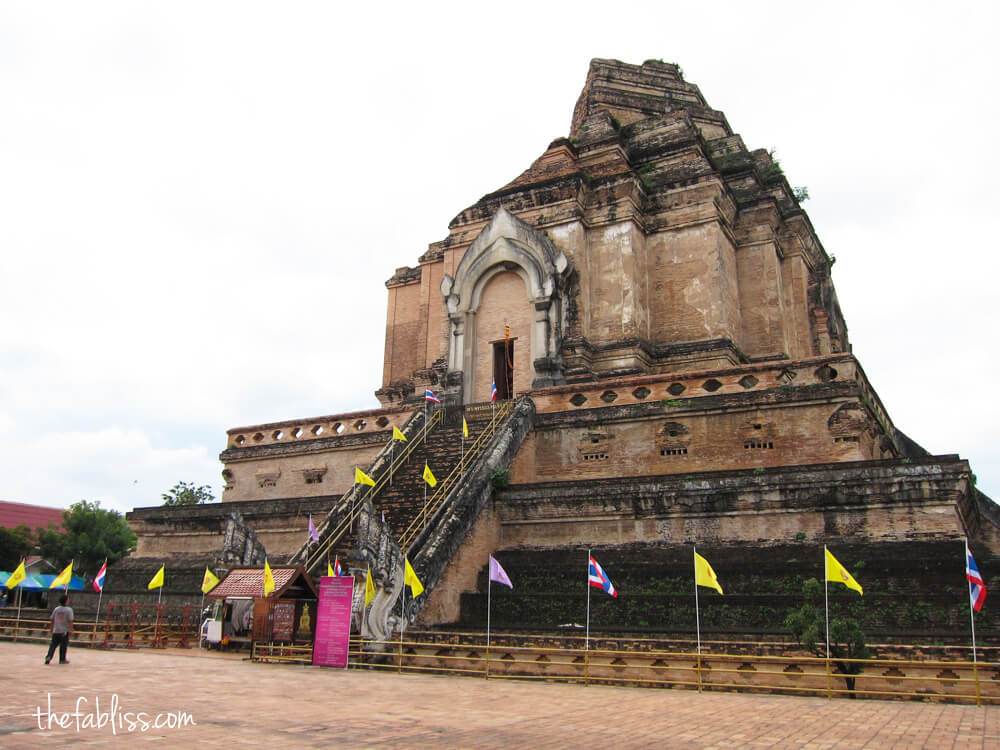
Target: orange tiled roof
(250, 582)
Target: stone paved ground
(235, 703)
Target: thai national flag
(429, 395)
(977, 588)
(99, 579)
(336, 567)
(599, 578)
(493, 391)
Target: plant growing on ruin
(499, 479)
(185, 493)
(801, 193)
(847, 641)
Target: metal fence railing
(123, 625)
(516, 658)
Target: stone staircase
(372, 528)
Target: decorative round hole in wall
(641, 392)
(277, 435)
(258, 437)
(608, 396)
(578, 399)
(381, 422)
(676, 389)
(711, 385)
(360, 425)
(748, 381)
(338, 427)
(317, 430)
(297, 432)
(240, 440)
(825, 374)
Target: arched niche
(507, 245)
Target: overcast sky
(200, 202)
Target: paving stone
(234, 701)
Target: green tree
(185, 493)
(92, 533)
(847, 640)
(15, 545)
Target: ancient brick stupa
(655, 314)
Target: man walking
(62, 626)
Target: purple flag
(498, 574)
(312, 529)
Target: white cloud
(202, 202)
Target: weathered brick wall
(880, 501)
(914, 589)
(196, 531)
(403, 327)
(504, 300)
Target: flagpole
(17, 625)
(826, 593)
(697, 611)
(586, 643)
(489, 583)
(972, 619)
(402, 616)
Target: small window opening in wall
(755, 444)
(381, 422)
(756, 426)
(676, 389)
(673, 451)
(258, 437)
(240, 440)
(846, 439)
(594, 456)
(314, 478)
(277, 435)
(339, 428)
(317, 430)
(297, 432)
(360, 425)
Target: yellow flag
(704, 575)
(369, 588)
(465, 428)
(838, 573)
(63, 578)
(329, 570)
(268, 579)
(17, 576)
(397, 435)
(157, 580)
(429, 476)
(209, 582)
(361, 478)
(410, 579)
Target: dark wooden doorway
(503, 369)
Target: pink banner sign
(333, 621)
